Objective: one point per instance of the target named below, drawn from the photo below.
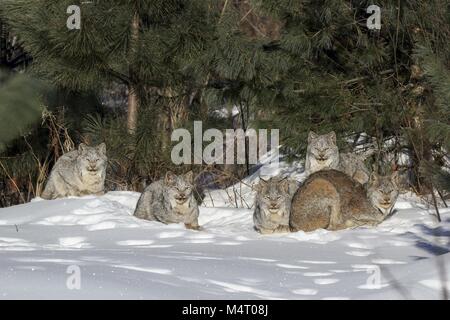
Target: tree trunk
(176, 113)
(133, 104)
(3, 40)
(133, 101)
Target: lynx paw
(193, 227)
(283, 229)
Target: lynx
(170, 200)
(78, 173)
(383, 191)
(273, 205)
(323, 153)
(330, 199)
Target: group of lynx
(332, 197)
(338, 193)
(83, 171)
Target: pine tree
(342, 76)
(297, 65)
(146, 45)
(437, 123)
(20, 106)
(20, 95)
(433, 56)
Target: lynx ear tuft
(102, 148)
(311, 136)
(170, 178)
(189, 177)
(81, 148)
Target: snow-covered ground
(119, 256)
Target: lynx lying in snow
(383, 191)
(77, 173)
(329, 199)
(323, 153)
(273, 205)
(170, 200)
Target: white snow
(122, 257)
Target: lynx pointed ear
(170, 178)
(332, 136)
(81, 148)
(102, 148)
(189, 177)
(256, 187)
(373, 178)
(261, 185)
(311, 136)
(284, 185)
(395, 178)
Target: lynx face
(274, 200)
(383, 191)
(322, 151)
(179, 189)
(92, 160)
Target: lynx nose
(181, 196)
(273, 205)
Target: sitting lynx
(323, 153)
(330, 199)
(170, 200)
(383, 191)
(273, 205)
(78, 173)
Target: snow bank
(120, 256)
